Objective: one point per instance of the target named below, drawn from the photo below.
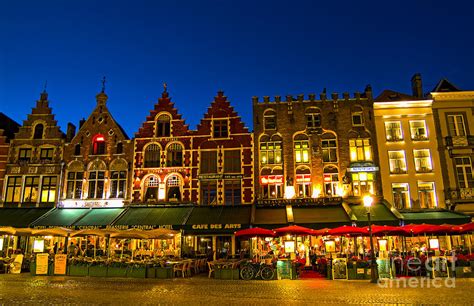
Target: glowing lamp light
(290, 192)
(316, 193)
(368, 200)
(100, 138)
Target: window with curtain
(360, 149)
(174, 155)
(118, 182)
(48, 189)
(163, 126)
(397, 162)
(393, 131)
(232, 162)
(422, 160)
(31, 190)
(418, 130)
(401, 195)
(456, 125)
(464, 172)
(208, 162)
(152, 156)
(427, 195)
(301, 149)
(96, 184)
(74, 185)
(13, 191)
(270, 152)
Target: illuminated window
(301, 151)
(152, 156)
(209, 192)
(313, 118)
(269, 120)
(397, 162)
(232, 192)
(362, 183)
(46, 154)
(118, 184)
(401, 195)
(13, 191)
(208, 162)
(96, 184)
(270, 151)
(422, 160)
(426, 195)
(174, 155)
(173, 188)
(357, 119)
(25, 155)
(152, 185)
(74, 185)
(303, 183)
(163, 126)
(464, 172)
(98, 145)
(232, 161)
(48, 189)
(220, 129)
(456, 125)
(38, 133)
(31, 191)
(418, 130)
(360, 149)
(329, 148)
(331, 181)
(393, 131)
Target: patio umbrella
(54, 231)
(387, 230)
(418, 229)
(132, 233)
(348, 230)
(24, 231)
(161, 233)
(467, 228)
(293, 230)
(7, 230)
(320, 232)
(94, 232)
(255, 232)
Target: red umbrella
(255, 232)
(347, 230)
(466, 228)
(293, 230)
(320, 232)
(387, 230)
(418, 229)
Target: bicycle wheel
(267, 273)
(247, 273)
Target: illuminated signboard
(271, 179)
(72, 203)
(303, 178)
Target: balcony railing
(461, 194)
(459, 141)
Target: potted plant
(78, 267)
(463, 266)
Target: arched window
(152, 185)
(38, 134)
(329, 148)
(303, 182)
(301, 148)
(331, 181)
(174, 155)
(173, 192)
(119, 148)
(270, 150)
(313, 118)
(77, 149)
(152, 156)
(357, 116)
(98, 144)
(163, 126)
(269, 120)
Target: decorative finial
(103, 85)
(45, 86)
(165, 87)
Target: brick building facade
(209, 165)
(33, 170)
(97, 162)
(8, 128)
(309, 148)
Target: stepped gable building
(98, 161)
(162, 161)
(33, 169)
(8, 128)
(308, 150)
(210, 166)
(453, 110)
(409, 159)
(222, 172)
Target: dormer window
(38, 134)
(220, 129)
(163, 126)
(98, 144)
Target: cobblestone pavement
(25, 289)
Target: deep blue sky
(245, 48)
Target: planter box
(98, 271)
(464, 272)
(33, 268)
(150, 272)
(136, 272)
(164, 272)
(78, 270)
(117, 271)
(50, 268)
(227, 273)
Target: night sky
(244, 48)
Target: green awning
(379, 213)
(153, 217)
(64, 217)
(320, 217)
(434, 217)
(270, 217)
(98, 218)
(218, 219)
(20, 217)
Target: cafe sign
(217, 226)
(271, 179)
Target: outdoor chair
(211, 268)
(178, 268)
(190, 267)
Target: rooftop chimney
(416, 86)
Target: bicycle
(251, 270)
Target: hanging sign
(42, 263)
(60, 264)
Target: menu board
(384, 268)
(440, 266)
(339, 268)
(60, 264)
(42, 263)
(284, 269)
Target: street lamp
(368, 200)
